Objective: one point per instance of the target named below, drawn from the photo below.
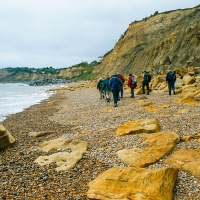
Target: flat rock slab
(6, 138)
(138, 126)
(39, 134)
(187, 160)
(188, 99)
(123, 183)
(191, 137)
(157, 145)
(71, 153)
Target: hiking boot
(174, 92)
(115, 105)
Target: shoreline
(81, 114)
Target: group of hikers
(114, 86)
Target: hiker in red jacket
(123, 80)
(132, 83)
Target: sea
(15, 97)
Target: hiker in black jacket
(145, 82)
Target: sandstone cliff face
(163, 41)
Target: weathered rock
(39, 134)
(182, 111)
(187, 160)
(157, 146)
(138, 126)
(187, 79)
(190, 137)
(134, 183)
(6, 138)
(188, 99)
(72, 152)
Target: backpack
(148, 77)
(115, 84)
(134, 82)
(121, 77)
(170, 76)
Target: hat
(117, 73)
(130, 74)
(100, 79)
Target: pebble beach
(80, 114)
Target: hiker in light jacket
(132, 83)
(107, 89)
(115, 85)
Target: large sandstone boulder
(187, 160)
(190, 137)
(6, 138)
(123, 183)
(138, 126)
(187, 79)
(157, 145)
(70, 152)
(188, 99)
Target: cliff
(163, 41)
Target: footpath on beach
(76, 146)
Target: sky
(62, 33)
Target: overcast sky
(62, 33)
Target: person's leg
(143, 89)
(115, 97)
(169, 87)
(110, 95)
(100, 94)
(132, 92)
(122, 92)
(173, 88)
(117, 94)
(147, 88)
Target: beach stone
(187, 79)
(190, 137)
(39, 134)
(164, 106)
(6, 138)
(72, 152)
(134, 183)
(138, 126)
(188, 99)
(187, 160)
(157, 145)
(182, 111)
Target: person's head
(108, 76)
(117, 73)
(130, 74)
(100, 79)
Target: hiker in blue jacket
(171, 79)
(115, 85)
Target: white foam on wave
(15, 98)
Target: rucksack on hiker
(115, 84)
(148, 77)
(170, 76)
(134, 82)
(121, 77)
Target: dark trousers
(115, 96)
(171, 86)
(143, 88)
